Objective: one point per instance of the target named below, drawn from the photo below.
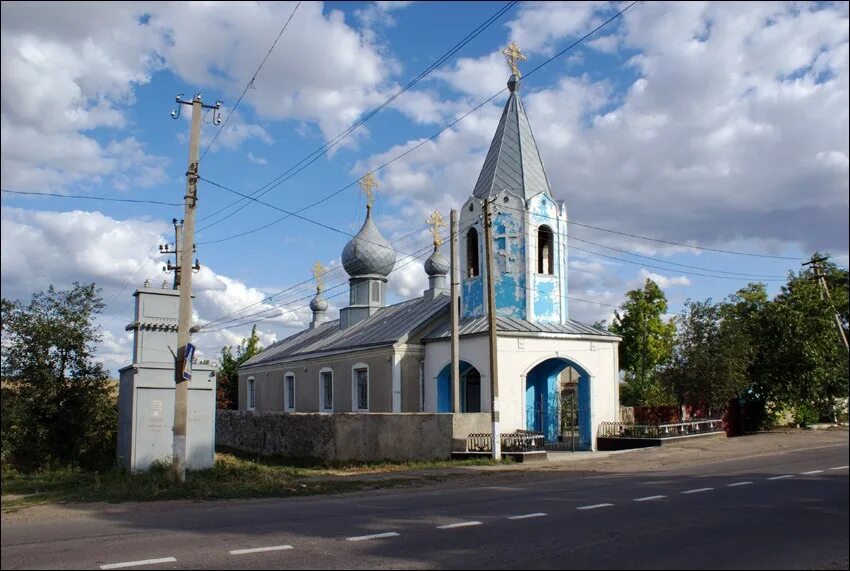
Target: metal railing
(519, 441)
(628, 430)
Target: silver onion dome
(436, 264)
(318, 304)
(368, 253)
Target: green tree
(804, 362)
(228, 365)
(711, 358)
(58, 407)
(647, 344)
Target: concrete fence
(348, 436)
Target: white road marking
(697, 490)
(810, 472)
(373, 536)
(138, 563)
(649, 498)
(527, 516)
(260, 549)
(594, 506)
(738, 484)
(781, 477)
(461, 524)
(840, 468)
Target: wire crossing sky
(700, 145)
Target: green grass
(233, 476)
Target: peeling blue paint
(473, 297)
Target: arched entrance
(548, 408)
(470, 388)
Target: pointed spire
(513, 162)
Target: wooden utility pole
(178, 253)
(495, 436)
(815, 262)
(453, 292)
(184, 321)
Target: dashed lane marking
(649, 498)
(460, 524)
(260, 549)
(736, 484)
(594, 506)
(373, 536)
(697, 490)
(810, 472)
(138, 563)
(840, 468)
(782, 477)
(527, 516)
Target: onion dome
(368, 253)
(436, 264)
(318, 304)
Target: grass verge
(233, 476)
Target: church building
(555, 375)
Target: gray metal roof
(478, 325)
(387, 326)
(513, 161)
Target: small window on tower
(545, 251)
(376, 291)
(472, 253)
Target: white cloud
(539, 24)
(734, 130)
(256, 160)
(663, 282)
(119, 256)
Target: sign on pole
(187, 364)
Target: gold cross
(513, 54)
(436, 222)
(367, 183)
(319, 275)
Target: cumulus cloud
(119, 256)
(733, 130)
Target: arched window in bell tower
(472, 253)
(545, 251)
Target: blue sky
(718, 124)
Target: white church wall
(518, 355)
(473, 350)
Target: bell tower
(529, 225)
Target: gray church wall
(411, 386)
(347, 436)
(269, 385)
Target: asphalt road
(784, 510)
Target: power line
(741, 274)
(421, 143)
(290, 288)
(287, 212)
(224, 325)
(90, 197)
(249, 84)
(668, 242)
(649, 238)
(312, 157)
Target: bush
(806, 415)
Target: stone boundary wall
(361, 437)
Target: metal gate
(569, 420)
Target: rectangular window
(362, 376)
(251, 395)
(327, 391)
(289, 395)
(376, 291)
